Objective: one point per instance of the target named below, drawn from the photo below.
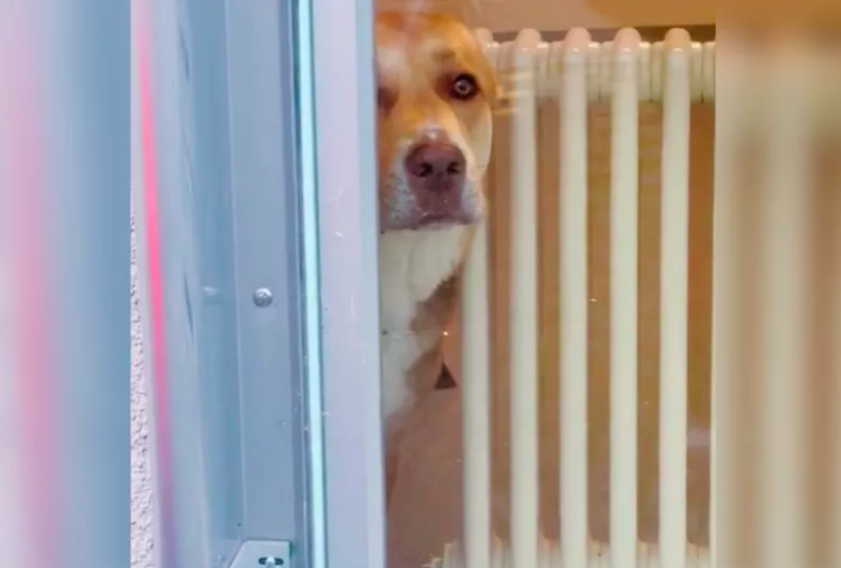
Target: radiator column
(523, 305)
(674, 298)
(574, 300)
(624, 188)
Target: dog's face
(435, 94)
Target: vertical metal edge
(202, 55)
(266, 229)
(342, 66)
(184, 518)
(308, 188)
(179, 516)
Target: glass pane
(545, 258)
(338, 67)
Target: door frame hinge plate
(264, 554)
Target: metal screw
(270, 561)
(263, 297)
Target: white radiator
(573, 74)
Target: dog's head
(436, 90)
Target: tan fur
(419, 55)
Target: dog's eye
(464, 87)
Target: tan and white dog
(436, 92)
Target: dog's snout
(435, 167)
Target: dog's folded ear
(501, 104)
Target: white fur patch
(412, 266)
(391, 60)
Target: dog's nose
(435, 167)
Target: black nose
(435, 166)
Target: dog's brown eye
(464, 87)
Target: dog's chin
(434, 221)
(438, 221)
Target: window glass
(542, 327)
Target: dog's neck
(413, 266)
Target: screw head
(270, 561)
(263, 297)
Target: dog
(436, 93)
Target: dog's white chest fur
(412, 266)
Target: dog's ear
(501, 103)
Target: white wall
(142, 533)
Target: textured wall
(142, 534)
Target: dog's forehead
(416, 50)
(399, 58)
(410, 42)
(392, 59)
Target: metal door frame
(269, 105)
